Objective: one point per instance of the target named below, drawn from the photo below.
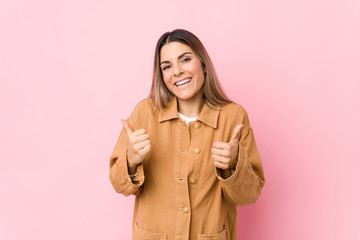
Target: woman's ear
(204, 67)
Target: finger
(138, 136)
(142, 137)
(145, 150)
(139, 132)
(220, 165)
(236, 134)
(220, 159)
(141, 145)
(220, 152)
(221, 145)
(126, 126)
(138, 139)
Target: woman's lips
(184, 82)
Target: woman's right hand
(138, 146)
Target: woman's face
(182, 71)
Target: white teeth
(183, 82)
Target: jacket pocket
(141, 234)
(217, 236)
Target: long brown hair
(212, 91)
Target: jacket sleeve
(119, 175)
(244, 185)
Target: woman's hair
(212, 91)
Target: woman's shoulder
(143, 113)
(145, 104)
(235, 113)
(232, 108)
(145, 107)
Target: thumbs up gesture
(138, 146)
(225, 155)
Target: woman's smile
(183, 83)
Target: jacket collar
(207, 115)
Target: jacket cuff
(139, 179)
(130, 186)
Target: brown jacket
(179, 193)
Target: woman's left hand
(225, 155)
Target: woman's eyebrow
(178, 57)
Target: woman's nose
(178, 70)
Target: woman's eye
(186, 59)
(166, 67)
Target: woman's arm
(119, 169)
(244, 185)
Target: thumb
(126, 126)
(236, 134)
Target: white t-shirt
(187, 119)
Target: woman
(187, 152)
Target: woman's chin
(186, 97)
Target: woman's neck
(191, 107)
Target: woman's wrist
(131, 169)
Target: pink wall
(70, 70)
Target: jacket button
(185, 210)
(192, 180)
(196, 150)
(197, 125)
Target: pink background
(70, 70)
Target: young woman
(186, 152)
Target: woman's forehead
(173, 49)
